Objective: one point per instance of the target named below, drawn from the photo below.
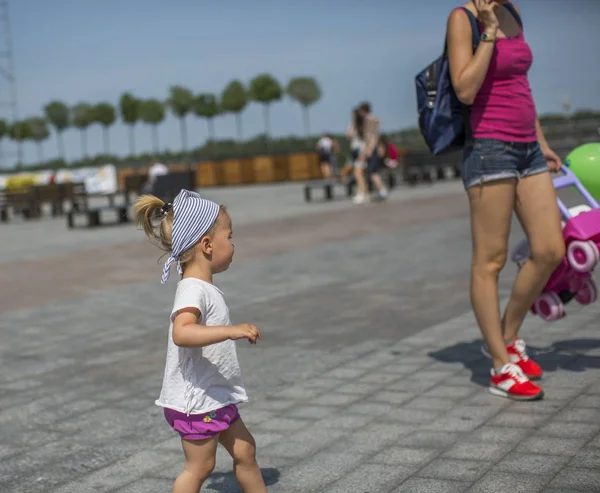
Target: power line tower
(9, 108)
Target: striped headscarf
(193, 216)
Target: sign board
(97, 180)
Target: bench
(424, 167)
(328, 187)
(3, 208)
(348, 183)
(95, 218)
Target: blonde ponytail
(157, 225)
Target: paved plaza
(369, 377)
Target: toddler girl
(202, 381)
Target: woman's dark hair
(359, 123)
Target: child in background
(202, 382)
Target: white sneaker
(359, 198)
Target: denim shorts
(487, 160)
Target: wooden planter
(299, 167)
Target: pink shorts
(202, 426)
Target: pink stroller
(572, 278)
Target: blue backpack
(443, 119)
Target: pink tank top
(503, 108)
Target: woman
(505, 168)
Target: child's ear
(206, 245)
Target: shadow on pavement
(569, 355)
(226, 482)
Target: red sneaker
(518, 355)
(511, 382)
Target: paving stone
(373, 439)
(313, 412)
(284, 425)
(345, 373)
(572, 478)
(411, 416)
(568, 430)
(496, 434)
(358, 388)
(544, 406)
(459, 470)
(336, 399)
(321, 382)
(501, 482)
(351, 422)
(517, 462)
(586, 401)
(589, 457)
(154, 485)
(318, 471)
(274, 405)
(379, 379)
(403, 455)
(373, 409)
(430, 403)
(551, 446)
(451, 391)
(517, 420)
(299, 393)
(397, 397)
(420, 485)
(429, 439)
(478, 451)
(306, 443)
(580, 415)
(371, 477)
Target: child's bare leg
(199, 464)
(241, 446)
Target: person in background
(325, 150)
(369, 159)
(157, 169)
(388, 153)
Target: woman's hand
(486, 10)
(552, 159)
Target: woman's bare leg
(361, 182)
(538, 213)
(491, 206)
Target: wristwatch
(487, 37)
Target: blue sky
(90, 51)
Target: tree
(19, 132)
(181, 102)
(233, 100)
(130, 114)
(57, 113)
(82, 116)
(207, 106)
(265, 89)
(39, 132)
(152, 112)
(306, 91)
(105, 115)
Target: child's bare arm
(188, 333)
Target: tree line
(181, 102)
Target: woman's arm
(468, 70)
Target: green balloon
(584, 162)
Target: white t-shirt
(200, 380)
(157, 169)
(325, 144)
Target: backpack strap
(511, 8)
(475, 33)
